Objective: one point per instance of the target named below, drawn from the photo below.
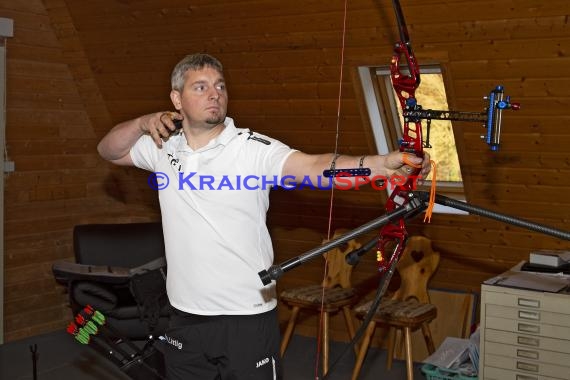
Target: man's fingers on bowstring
(155, 127)
(161, 129)
(166, 125)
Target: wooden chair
(338, 295)
(409, 308)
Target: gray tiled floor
(299, 363)
(61, 357)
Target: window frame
(6, 30)
(383, 123)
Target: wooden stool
(409, 309)
(406, 316)
(333, 295)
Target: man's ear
(175, 98)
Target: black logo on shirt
(255, 138)
(174, 162)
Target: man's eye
(200, 88)
(221, 86)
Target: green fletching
(92, 328)
(82, 339)
(98, 317)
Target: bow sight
(491, 117)
(406, 85)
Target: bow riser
(405, 86)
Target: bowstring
(331, 199)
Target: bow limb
(405, 85)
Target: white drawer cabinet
(525, 334)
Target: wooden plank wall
(53, 109)
(75, 68)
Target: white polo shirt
(214, 218)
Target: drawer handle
(529, 303)
(528, 341)
(533, 315)
(527, 366)
(526, 377)
(529, 328)
(527, 354)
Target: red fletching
(80, 319)
(72, 328)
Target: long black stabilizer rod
(449, 202)
(410, 209)
(416, 205)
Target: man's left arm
(301, 165)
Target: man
(214, 208)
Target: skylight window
(387, 124)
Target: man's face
(204, 98)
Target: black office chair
(120, 271)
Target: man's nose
(214, 94)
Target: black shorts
(225, 347)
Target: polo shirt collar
(229, 132)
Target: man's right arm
(117, 144)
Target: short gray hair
(192, 62)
